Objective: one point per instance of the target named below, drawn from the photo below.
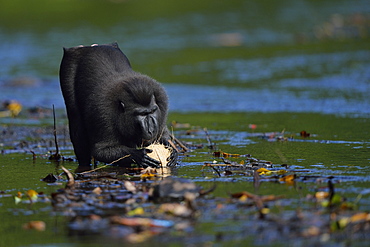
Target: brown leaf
(36, 225)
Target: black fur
(113, 111)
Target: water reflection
(189, 98)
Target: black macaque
(113, 111)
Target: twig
(55, 133)
(210, 145)
(185, 149)
(55, 156)
(106, 164)
(71, 180)
(207, 164)
(173, 146)
(256, 180)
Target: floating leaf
(32, 195)
(18, 197)
(335, 200)
(289, 179)
(176, 209)
(252, 126)
(130, 186)
(147, 175)
(281, 172)
(245, 194)
(265, 210)
(321, 195)
(13, 109)
(264, 171)
(159, 152)
(136, 211)
(225, 155)
(36, 225)
(304, 134)
(360, 217)
(97, 191)
(178, 125)
(345, 221)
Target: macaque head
(142, 117)
(144, 121)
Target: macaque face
(144, 121)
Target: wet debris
(137, 210)
(50, 178)
(107, 203)
(174, 189)
(10, 108)
(135, 205)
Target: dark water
(283, 66)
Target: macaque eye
(154, 109)
(122, 104)
(143, 111)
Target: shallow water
(339, 153)
(225, 66)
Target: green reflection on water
(336, 148)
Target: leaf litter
(139, 204)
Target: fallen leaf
(36, 225)
(320, 195)
(130, 186)
(289, 179)
(13, 109)
(264, 171)
(225, 155)
(97, 191)
(360, 217)
(159, 152)
(18, 197)
(147, 175)
(252, 126)
(176, 209)
(136, 211)
(32, 195)
(304, 134)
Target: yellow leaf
(263, 171)
(15, 108)
(343, 222)
(225, 155)
(321, 195)
(136, 211)
(19, 194)
(147, 176)
(265, 210)
(17, 199)
(288, 178)
(32, 195)
(243, 198)
(281, 172)
(360, 217)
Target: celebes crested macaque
(113, 111)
